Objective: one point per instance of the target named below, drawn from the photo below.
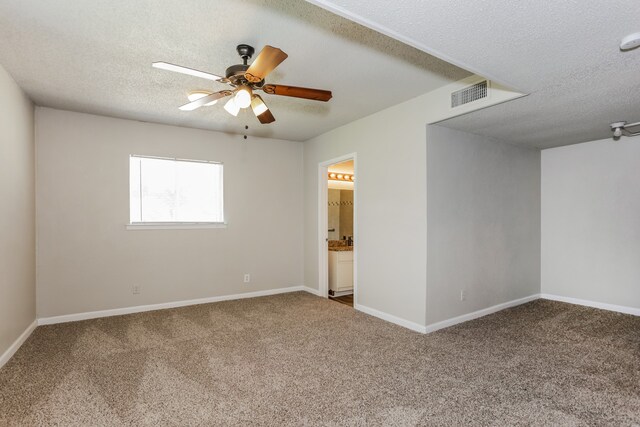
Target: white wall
(391, 198)
(391, 218)
(17, 212)
(591, 221)
(88, 261)
(483, 222)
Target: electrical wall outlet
(462, 295)
(135, 289)
(247, 278)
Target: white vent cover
(469, 94)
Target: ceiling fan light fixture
(197, 94)
(243, 79)
(231, 107)
(257, 105)
(243, 96)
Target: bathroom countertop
(341, 248)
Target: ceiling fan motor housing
(235, 76)
(235, 73)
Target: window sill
(175, 225)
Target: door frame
(323, 224)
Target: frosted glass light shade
(231, 107)
(243, 97)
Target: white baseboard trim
(610, 307)
(480, 313)
(4, 358)
(17, 343)
(313, 291)
(141, 308)
(390, 318)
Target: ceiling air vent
(469, 94)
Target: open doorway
(337, 230)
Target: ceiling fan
(245, 80)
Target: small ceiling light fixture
(631, 41)
(231, 107)
(243, 96)
(620, 128)
(617, 133)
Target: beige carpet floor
(296, 359)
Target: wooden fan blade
(185, 70)
(268, 59)
(298, 92)
(205, 100)
(266, 117)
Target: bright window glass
(175, 191)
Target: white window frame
(177, 225)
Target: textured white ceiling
(95, 56)
(564, 52)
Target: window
(175, 191)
